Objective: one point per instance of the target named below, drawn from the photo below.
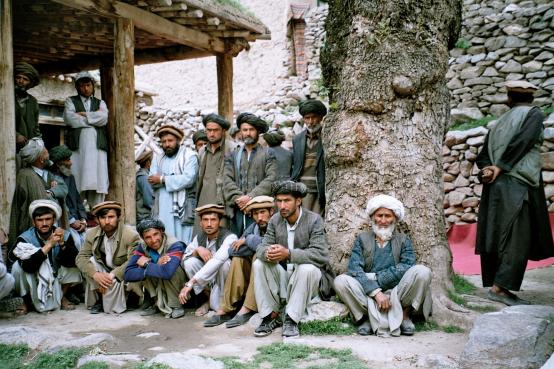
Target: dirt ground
(148, 336)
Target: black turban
(260, 124)
(296, 189)
(274, 138)
(199, 135)
(60, 153)
(312, 106)
(150, 223)
(233, 131)
(216, 118)
(28, 71)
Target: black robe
(513, 224)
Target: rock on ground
(518, 337)
(434, 361)
(325, 310)
(181, 360)
(111, 360)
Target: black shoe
(364, 329)
(267, 326)
(150, 310)
(71, 297)
(217, 320)
(97, 308)
(290, 328)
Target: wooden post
(225, 86)
(7, 114)
(121, 133)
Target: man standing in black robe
(513, 222)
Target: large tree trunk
(384, 63)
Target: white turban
(30, 152)
(45, 204)
(387, 202)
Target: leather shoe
(505, 299)
(150, 310)
(239, 320)
(217, 320)
(407, 327)
(97, 308)
(177, 313)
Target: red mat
(461, 238)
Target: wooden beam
(145, 56)
(7, 115)
(149, 22)
(121, 136)
(227, 13)
(225, 86)
(174, 7)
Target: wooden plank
(224, 65)
(213, 21)
(228, 14)
(173, 7)
(121, 133)
(227, 34)
(149, 22)
(7, 115)
(146, 56)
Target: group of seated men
(279, 267)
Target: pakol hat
(175, 131)
(210, 208)
(106, 205)
(259, 202)
(144, 157)
(521, 87)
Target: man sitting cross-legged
(383, 284)
(290, 261)
(239, 285)
(103, 260)
(206, 260)
(44, 256)
(157, 263)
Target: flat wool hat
(144, 157)
(521, 87)
(210, 208)
(259, 202)
(106, 205)
(175, 131)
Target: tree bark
(385, 64)
(7, 114)
(121, 133)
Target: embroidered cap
(259, 202)
(106, 205)
(175, 131)
(210, 208)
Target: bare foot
(203, 310)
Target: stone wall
(461, 186)
(501, 40)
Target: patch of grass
(482, 309)
(63, 359)
(338, 326)
(548, 110)
(462, 285)
(151, 366)
(322, 90)
(430, 325)
(95, 365)
(280, 355)
(237, 5)
(472, 123)
(462, 43)
(11, 356)
(456, 298)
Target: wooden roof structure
(67, 36)
(64, 36)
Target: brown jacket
(126, 239)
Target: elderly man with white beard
(383, 285)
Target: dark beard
(20, 91)
(171, 152)
(250, 140)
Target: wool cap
(210, 208)
(150, 223)
(144, 157)
(297, 189)
(106, 205)
(274, 138)
(199, 135)
(175, 131)
(521, 87)
(387, 202)
(45, 204)
(259, 202)
(59, 153)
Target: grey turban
(218, 119)
(150, 223)
(296, 189)
(258, 123)
(45, 204)
(312, 106)
(274, 138)
(28, 71)
(199, 135)
(30, 152)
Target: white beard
(383, 233)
